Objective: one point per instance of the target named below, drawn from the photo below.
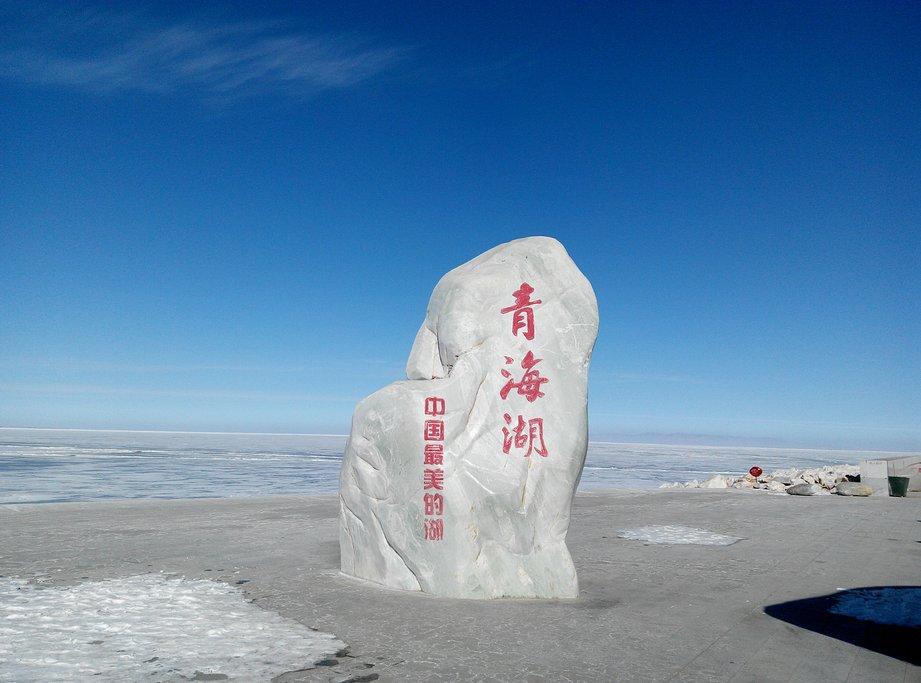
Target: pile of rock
(841, 479)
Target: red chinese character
(434, 529)
(434, 406)
(507, 437)
(522, 312)
(530, 435)
(434, 430)
(529, 386)
(433, 479)
(434, 503)
(434, 454)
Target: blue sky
(230, 217)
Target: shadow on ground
(888, 618)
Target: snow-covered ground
(147, 627)
(38, 466)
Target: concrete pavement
(646, 612)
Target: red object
(529, 386)
(434, 406)
(756, 471)
(530, 434)
(433, 454)
(434, 430)
(434, 503)
(434, 529)
(523, 311)
(433, 479)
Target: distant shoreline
(82, 465)
(823, 449)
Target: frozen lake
(52, 466)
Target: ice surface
(46, 466)
(647, 466)
(676, 535)
(50, 466)
(147, 627)
(899, 606)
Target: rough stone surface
(804, 482)
(852, 488)
(775, 486)
(506, 504)
(804, 489)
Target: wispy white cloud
(105, 52)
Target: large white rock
(499, 529)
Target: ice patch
(894, 606)
(147, 627)
(676, 535)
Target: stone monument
(458, 481)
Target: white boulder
(853, 488)
(717, 481)
(805, 489)
(459, 480)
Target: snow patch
(676, 535)
(147, 627)
(894, 606)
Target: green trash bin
(898, 486)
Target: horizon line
(613, 443)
